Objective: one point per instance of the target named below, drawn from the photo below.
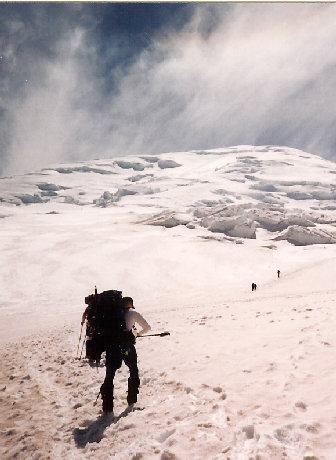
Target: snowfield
(243, 375)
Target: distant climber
(254, 287)
(278, 272)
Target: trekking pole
(161, 334)
(82, 348)
(80, 336)
(95, 403)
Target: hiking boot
(107, 396)
(107, 416)
(133, 390)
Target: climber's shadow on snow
(94, 432)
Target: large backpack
(106, 320)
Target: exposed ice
(130, 165)
(300, 236)
(166, 164)
(28, 199)
(82, 169)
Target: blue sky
(91, 80)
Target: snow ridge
(235, 191)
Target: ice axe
(161, 334)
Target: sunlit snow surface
(242, 374)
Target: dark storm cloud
(98, 80)
(58, 64)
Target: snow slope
(243, 374)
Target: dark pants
(115, 355)
(89, 349)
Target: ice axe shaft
(95, 403)
(161, 334)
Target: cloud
(264, 74)
(233, 74)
